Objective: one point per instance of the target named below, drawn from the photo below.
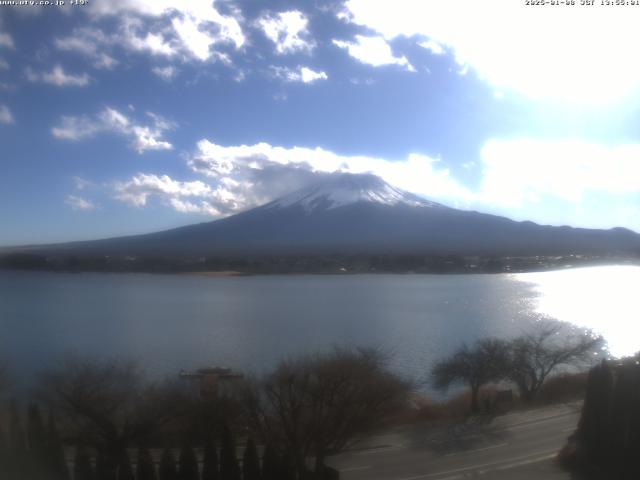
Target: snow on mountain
(357, 213)
(341, 189)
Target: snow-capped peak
(340, 189)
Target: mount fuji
(359, 213)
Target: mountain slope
(361, 213)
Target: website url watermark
(42, 3)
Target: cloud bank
(109, 120)
(245, 176)
(288, 31)
(298, 74)
(193, 27)
(374, 51)
(515, 175)
(79, 203)
(58, 77)
(513, 46)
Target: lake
(171, 322)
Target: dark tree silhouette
(250, 462)
(485, 362)
(57, 464)
(210, 461)
(317, 405)
(18, 461)
(607, 440)
(188, 463)
(288, 467)
(593, 425)
(4, 452)
(37, 440)
(168, 469)
(270, 464)
(82, 469)
(625, 400)
(125, 472)
(145, 470)
(105, 468)
(109, 404)
(551, 344)
(229, 469)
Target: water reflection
(604, 299)
(169, 322)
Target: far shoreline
(212, 273)
(336, 273)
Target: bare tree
(316, 405)
(474, 366)
(108, 405)
(550, 345)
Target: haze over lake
(171, 322)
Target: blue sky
(130, 116)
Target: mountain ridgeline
(356, 214)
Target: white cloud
(520, 178)
(104, 62)
(77, 128)
(578, 55)
(142, 137)
(308, 76)
(195, 40)
(373, 51)
(166, 73)
(58, 77)
(256, 174)
(194, 26)
(288, 31)
(5, 115)
(546, 181)
(144, 7)
(433, 46)
(79, 203)
(82, 183)
(4, 65)
(6, 41)
(520, 171)
(362, 81)
(245, 176)
(154, 43)
(89, 42)
(203, 12)
(188, 197)
(140, 187)
(299, 74)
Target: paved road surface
(518, 446)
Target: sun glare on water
(604, 299)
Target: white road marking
(476, 450)
(520, 464)
(511, 463)
(354, 469)
(373, 451)
(504, 467)
(534, 422)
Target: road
(518, 446)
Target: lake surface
(170, 322)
